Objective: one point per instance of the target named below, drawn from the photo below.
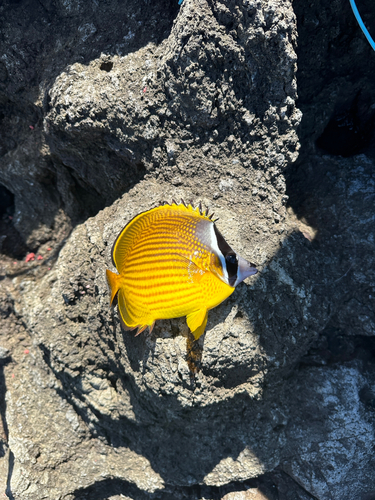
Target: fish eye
(231, 258)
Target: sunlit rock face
(129, 108)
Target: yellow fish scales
(172, 262)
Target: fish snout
(245, 269)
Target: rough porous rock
(220, 87)
(107, 109)
(339, 204)
(40, 40)
(124, 385)
(206, 85)
(139, 391)
(338, 456)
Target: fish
(172, 261)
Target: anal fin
(141, 329)
(197, 322)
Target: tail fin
(113, 283)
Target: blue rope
(361, 25)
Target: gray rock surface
(338, 455)
(127, 108)
(138, 390)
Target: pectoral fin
(197, 322)
(194, 272)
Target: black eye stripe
(221, 243)
(232, 267)
(231, 258)
(229, 255)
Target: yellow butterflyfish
(172, 261)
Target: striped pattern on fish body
(172, 262)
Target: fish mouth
(245, 269)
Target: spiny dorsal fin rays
(190, 206)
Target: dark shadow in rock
(336, 196)
(83, 194)
(6, 202)
(332, 195)
(3, 406)
(275, 486)
(335, 346)
(349, 131)
(149, 352)
(3, 360)
(17, 114)
(8, 490)
(108, 488)
(138, 348)
(168, 448)
(335, 83)
(368, 496)
(11, 242)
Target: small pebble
(4, 353)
